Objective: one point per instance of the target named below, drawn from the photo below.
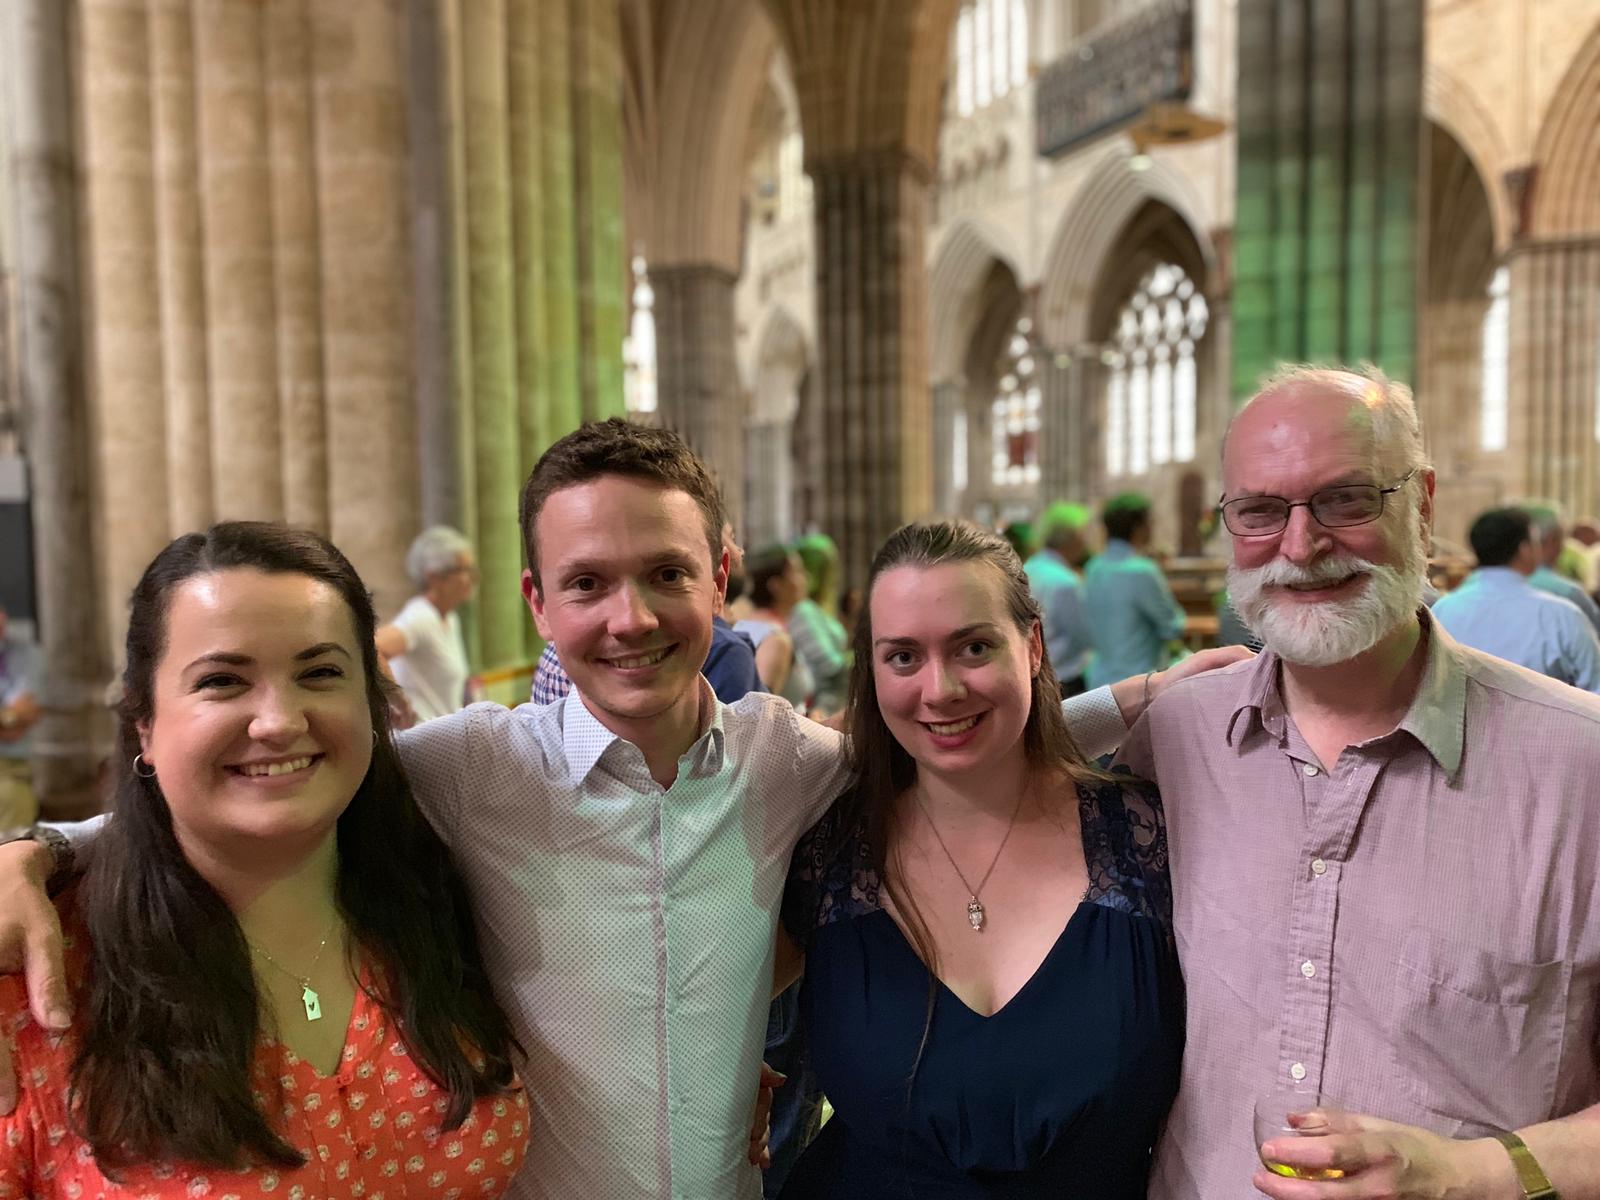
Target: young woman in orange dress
(274, 966)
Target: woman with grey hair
(423, 644)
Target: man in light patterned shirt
(627, 847)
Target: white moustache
(1283, 573)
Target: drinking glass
(1272, 1122)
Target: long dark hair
(172, 1013)
(884, 771)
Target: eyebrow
(965, 631)
(226, 659)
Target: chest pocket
(1477, 1037)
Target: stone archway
(1460, 263)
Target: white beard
(1334, 631)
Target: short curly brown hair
(618, 447)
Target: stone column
(872, 319)
(180, 243)
(123, 271)
(603, 279)
(948, 401)
(236, 207)
(1071, 455)
(697, 374)
(558, 298)
(1327, 225)
(292, 158)
(427, 115)
(1554, 375)
(358, 68)
(769, 484)
(43, 171)
(496, 424)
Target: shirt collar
(584, 740)
(1117, 548)
(1501, 576)
(1436, 718)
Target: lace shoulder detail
(1125, 845)
(831, 876)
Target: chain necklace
(308, 994)
(976, 914)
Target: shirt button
(1310, 770)
(1297, 1072)
(1318, 867)
(1308, 968)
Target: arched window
(991, 52)
(794, 185)
(639, 347)
(1496, 362)
(1152, 384)
(1016, 411)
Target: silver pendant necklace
(308, 994)
(976, 913)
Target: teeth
(953, 727)
(642, 660)
(254, 770)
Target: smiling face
(1317, 595)
(628, 591)
(260, 727)
(953, 673)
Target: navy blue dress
(1060, 1094)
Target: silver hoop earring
(138, 761)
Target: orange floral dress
(371, 1130)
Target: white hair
(1396, 429)
(434, 552)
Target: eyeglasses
(1333, 508)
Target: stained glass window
(1152, 384)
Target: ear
(720, 580)
(535, 600)
(1035, 649)
(1425, 507)
(143, 729)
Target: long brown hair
(883, 768)
(172, 1012)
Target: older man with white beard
(1385, 852)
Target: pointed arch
(1567, 151)
(963, 260)
(1109, 198)
(783, 356)
(1454, 107)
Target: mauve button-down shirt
(1415, 933)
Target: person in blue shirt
(1549, 540)
(1498, 610)
(1059, 590)
(1132, 614)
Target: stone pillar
(180, 243)
(43, 171)
(948, 401)
(1554, 375)
(496, 423)
(697, 375)
(872, 320)
(123, 272)
(297, 291)
(358, 69)
(236, 211)
(603, 278)
(558, 299)
(427, 115)
(1328, 170)
(769, 484)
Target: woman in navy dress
(991, 998)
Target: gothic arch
(1095, 220)
(1567, 152)
(694, 71)
(1452, 106)
(783, 356)
(964, 259)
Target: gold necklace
(976, 913)
(308, 994)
